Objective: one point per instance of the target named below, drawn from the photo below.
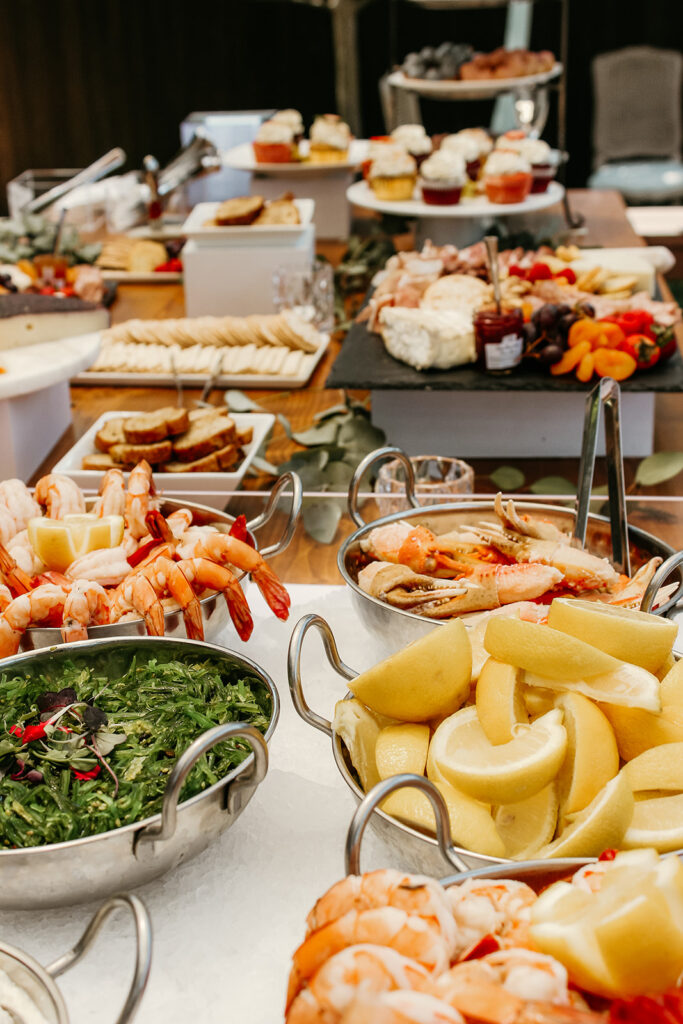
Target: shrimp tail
(158, 527)
(273, 591)
(239, 612)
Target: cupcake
(274, 144)
(442, 177)
(542, 158)
(507, 177)
(378, 144)
(414, 139)
(480, 136)
(330, 138)
(393, 175)
(293, 119)
(468, 148)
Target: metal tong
(608, 394)
(199, 157)
(109, 162)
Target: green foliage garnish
(160, 704)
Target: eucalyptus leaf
(553, 485)
(286, 425)
(321, 519)
(237, 401)
(326, 413)
(360, 435)
(337, 475)
(316, 457)
(261, 465)
(658, 468)
(508, 478)
(323, 433)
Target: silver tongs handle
(607, 393)
(109, 162)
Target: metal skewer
(491, 243)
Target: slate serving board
(365, 363)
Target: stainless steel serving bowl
(97, 866)
(214, 608)
(38, 981)
(396, 627)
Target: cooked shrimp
(179, 521)
(416, 894)
(413, 936)
(353, 971)
(87, 602)
(498, 907)
(136, 593)
(12, 574)
(205, 574)
(224, 549)
(6, 596)
(140, 487)
(167, 576)
(8, 526)
(107, 566)
(21, 550)
(112, 494)
(400, 1008)
(19, 502)
(60, 495)
(38, 605)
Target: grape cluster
(547, 332)
(437, 63)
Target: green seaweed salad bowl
(121, 758)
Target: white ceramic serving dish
(199, 227)
(361, 194)
(242, 158)
(212, 488)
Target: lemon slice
(657, 823)
(636, 637)
(402, 748)
(528, 825)
(359, 730)
(427, 679)
(499, 701)
(628, 685)
(507, 772)
(545, 651)
(57, 542)
(600, 826)
(592, 757)
(636, 731)
(671, 689)
(658, 768)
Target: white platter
(196, 225)
(34, 367)
(197, 380)
(361, 194)
(213, 486)
(241, 158)
(472, 89)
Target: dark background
(80, 76)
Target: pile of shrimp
(161, 563)
(392, 948)
(485, 566)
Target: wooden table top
(606, 225)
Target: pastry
(414, 140)
(507, 177)
(274, 144)
(292, 118)
(442, 177)
(330, 139)
(393, 175)
(467, 147)
(29, 319)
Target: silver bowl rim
(635, 533)
(41, 975)
(65, 650)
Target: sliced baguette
(204, 436)
(222, 459)
(110, 434)
(149, 427)
(99, 461)
(130, 454)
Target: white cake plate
(460, 224)
(35, 405)
(470, 89)
(241, 158)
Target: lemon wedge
(529, 824)
(402, 748)
(545, 651)
(600, 826)
(633, 636)
(592, 757)
(657, 768)
(57, 542)
(506, 772)
(500, 705)
(657, 823)
(359, 729)
(628, 686)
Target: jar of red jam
(499, 339)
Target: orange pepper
(527, 310)
(612, 362)
(583, 330)
(571, 358)
(584, 370)
(26, 267)
(612, 332)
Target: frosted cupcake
(543, 159)
(393, 175)
(274, 144)
(442, 178)
(330, 139)
(468, 148)
(480, 136)
(293, 119)
(414, 139)
(379, 144)
(507, 177)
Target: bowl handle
(294, 667)
(166, 826)
(660, 577)
(378, 793)
(390, 452)
(143, 955)
(292, 519)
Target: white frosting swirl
(274, 131)
(393, 164)
(465, 145)
(292, 118)
(505, 161)
(329, 130)
(445, 165)
(480, 136)
(413, 138)
(536, 151)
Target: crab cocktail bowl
(85, 869)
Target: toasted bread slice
(242, 210)
(99, 461)
(279, 211)
(204, 436)
(131, 454)
(221, 460)
(245, 435)
(149, 427)
(110, 434)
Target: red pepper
(632, 321)
(16, 730)
(516, 271)
(567, 273)
(173, 265)
(665, 340)
(86, 776)
(663, 1009)
(539, 272)
(608, 855)
(33, 732)
(643, 349)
